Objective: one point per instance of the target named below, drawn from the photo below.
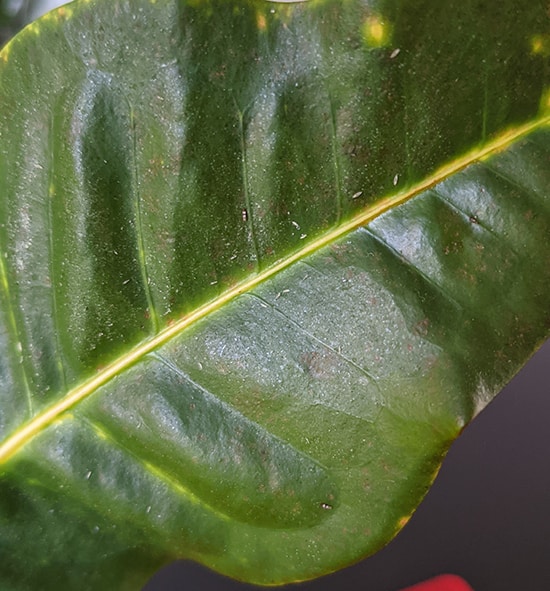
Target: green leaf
(260, 265)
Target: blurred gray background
(487, 517)
(14, 14)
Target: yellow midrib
(38, 423)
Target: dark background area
(14, 14)
(486, 518)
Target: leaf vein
(430, 280)
(51, 246)
(28, 431)
(319, 341)
(142, 253)
(248, 213)
(336, 162)
(175, 485)
(17, 344)
(480, 224)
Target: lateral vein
(142, 253)
(12, 321)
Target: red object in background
(442, 583)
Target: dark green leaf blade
(194, 150)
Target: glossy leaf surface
(261, 263)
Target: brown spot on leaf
(404, 520)
(421, 328)
(319, 364)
